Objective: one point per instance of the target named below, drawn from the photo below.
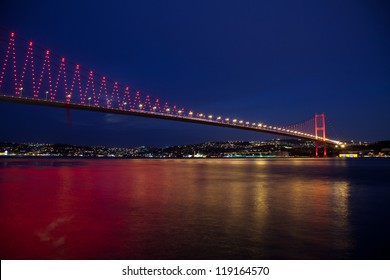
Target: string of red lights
(91, 89)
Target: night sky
(276, 62)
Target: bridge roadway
(165, 116)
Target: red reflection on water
(168, 209)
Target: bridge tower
(319, 126)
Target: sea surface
(56, 208)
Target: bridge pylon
(320, 131)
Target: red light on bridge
(114, 94)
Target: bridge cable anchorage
(44, 78)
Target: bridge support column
(319, 126)
(324, 149)
(317, 145)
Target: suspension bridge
(33, 75)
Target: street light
(89, 101)
(21, 91)
(46, 94)
(124, 105)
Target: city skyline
(223, 66)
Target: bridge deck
(157, 115)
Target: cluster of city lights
(118, 97)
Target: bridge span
(47, 79)
(182, 117)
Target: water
(195, 209)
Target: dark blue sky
(278, 62)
